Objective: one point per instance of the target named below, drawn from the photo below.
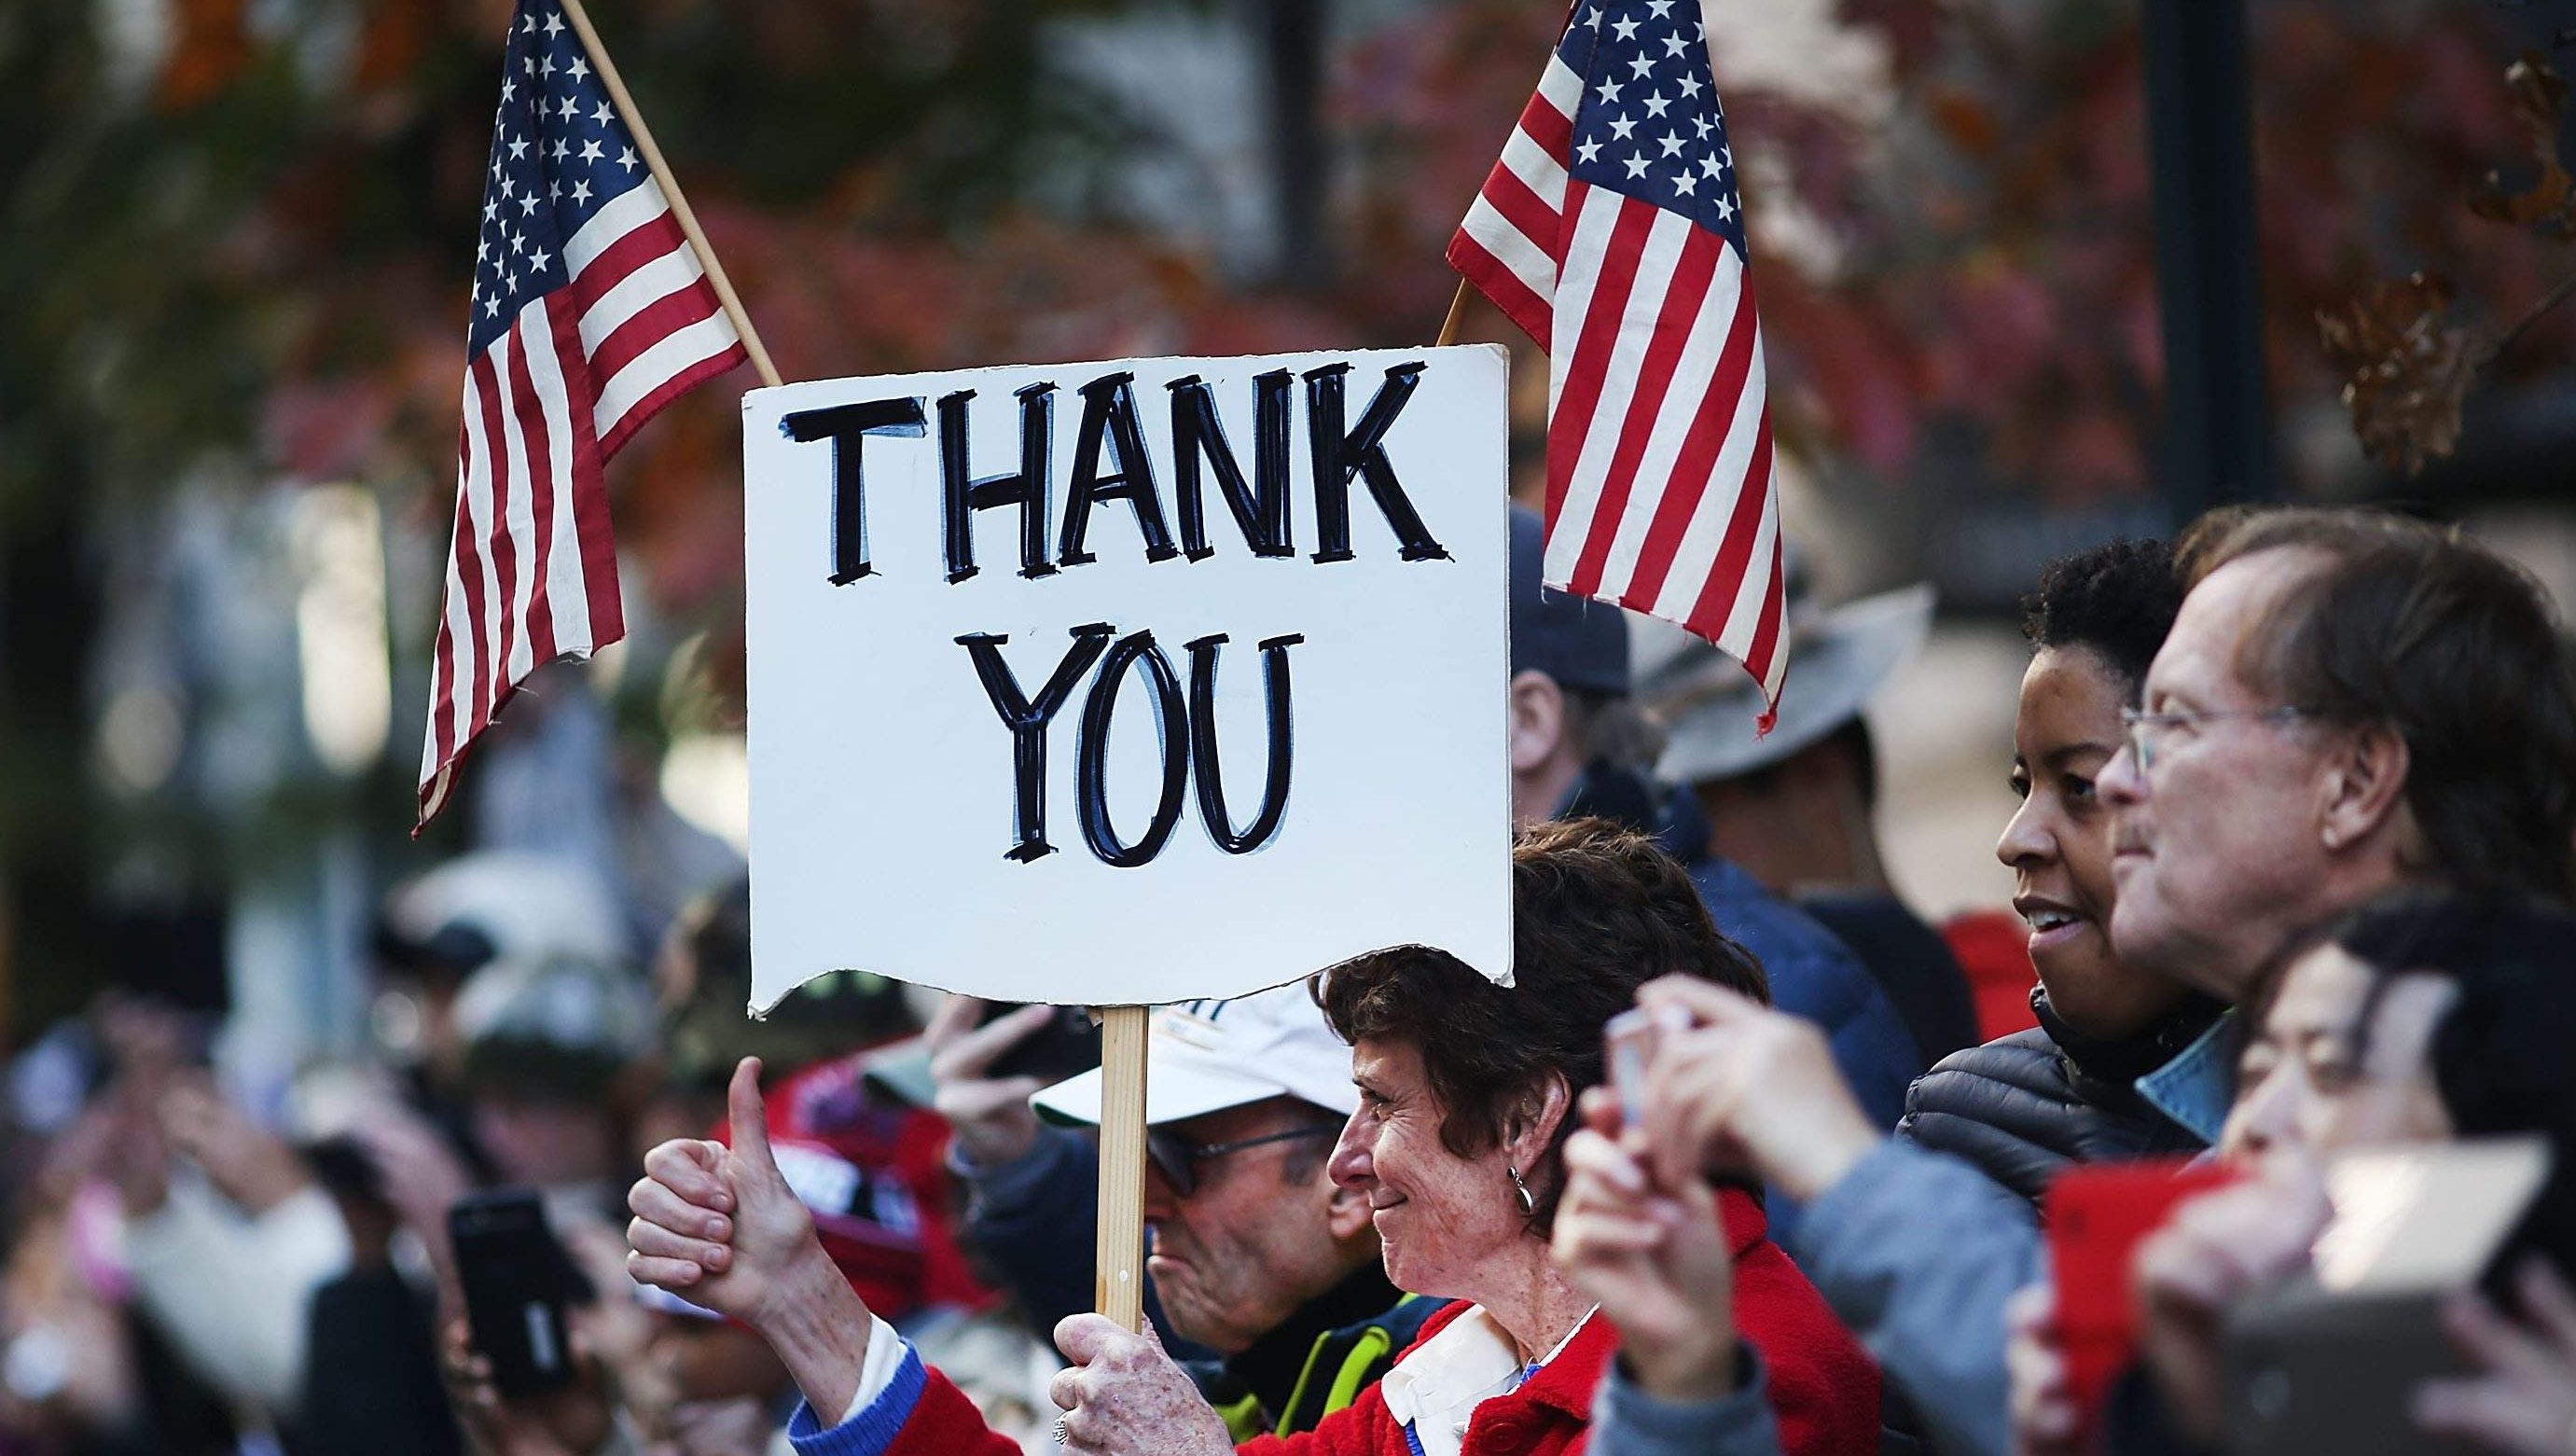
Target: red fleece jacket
(1824, 1389)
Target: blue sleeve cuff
(873, 1427)
(1918, 1252)
(1629, 1422)
(1897, 1179)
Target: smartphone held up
(517, 1279)
(1632, 1038)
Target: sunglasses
(1177, 1158)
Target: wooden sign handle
(1118, 1289)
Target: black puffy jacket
(2026, 1106)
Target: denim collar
(2196, 1088)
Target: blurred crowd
(1750, 1158)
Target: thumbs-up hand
(719, 1226)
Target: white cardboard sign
(1129, 682)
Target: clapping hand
(2045, 1421)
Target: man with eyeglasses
(1256, 1257)
(2347, 702)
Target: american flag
(1612, 231)
(590, 313)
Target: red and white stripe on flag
(1611, 231)
(532, 572)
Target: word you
(1111, 463)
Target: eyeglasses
(2142, 728)
(1177, 1158)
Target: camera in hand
(2329, 1359)
(517, 1279)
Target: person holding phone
(2417, 1019)
(1466, 1094)
(1667, 1264)
(2348, 702)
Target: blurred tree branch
(2409, 367)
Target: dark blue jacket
(1812, 973)
(1035, 1222)
(1817, 977)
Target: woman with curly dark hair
(2027, 1105)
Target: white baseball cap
(1206, 1056)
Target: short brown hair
(2451, 647)
(1597, 911)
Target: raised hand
(251, 1165)
(2214, 1251)
(1657, 1259)
(2045, 1421)
(566, 1422)
(421, 1177)
(720, 1227)
(1748, 1088)
(989, 1115)
(2522, 1398)
(1123, 1394)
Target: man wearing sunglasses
(1256, 1257)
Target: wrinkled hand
(2214, 1251)
(719, 1227)
(1124, 1395)
(2522, 1400)
(990, 1115)
(573, 1421)
(2045, 1421)
(1747, 1088)
(1657, 1258)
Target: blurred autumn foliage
(2410, 363)
(2410, 368)
(1954, 248)
(235, 236)
(246, 235)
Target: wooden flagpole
(1118, 1286)
(671, 193)
(1457, 313)
(1120, 1283)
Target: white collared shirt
(1436, 1389)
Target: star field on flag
(589, 313)
(1612, 231)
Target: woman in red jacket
(1467, 1093)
